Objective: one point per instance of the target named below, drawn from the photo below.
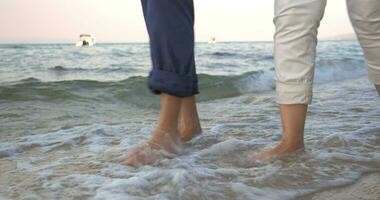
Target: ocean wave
(62, 68)
(228, 55)
(121, 53)
(112, 68)
(130, 90)
(13, 46)
(133, 89)
(223, 54)
(331, 70)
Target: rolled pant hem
(294, 93)
(294, 98)
(171, 83)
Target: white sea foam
(65, 147)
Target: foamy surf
(85, 161)
(68, 121)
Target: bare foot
(281, 149)
(161, 145)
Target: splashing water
(64, 130)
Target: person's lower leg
(189, 125)
(293, 122)
(164, 137)
(378, 89)
(295, 43)
(167, 125)
(293, 119)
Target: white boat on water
(212, 40)
(85, 40)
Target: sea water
(68, 116)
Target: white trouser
(297, 23)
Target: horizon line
(101, 43)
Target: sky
(61, 21)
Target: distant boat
(85, 40)
(212, 40)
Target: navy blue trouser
(170, 25)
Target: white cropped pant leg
(297, 23)
(365, 18)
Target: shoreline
(366, 188)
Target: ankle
(291, 145)
(162, 134)
(166, 129)
(189, 129)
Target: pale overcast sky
(122, 20)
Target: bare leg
(378, 89)
(164, 137)
(293, 122)
(189, 125)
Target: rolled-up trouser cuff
(374, 76)
(294, 93)
(161, 81)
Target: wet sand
(366, 188)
